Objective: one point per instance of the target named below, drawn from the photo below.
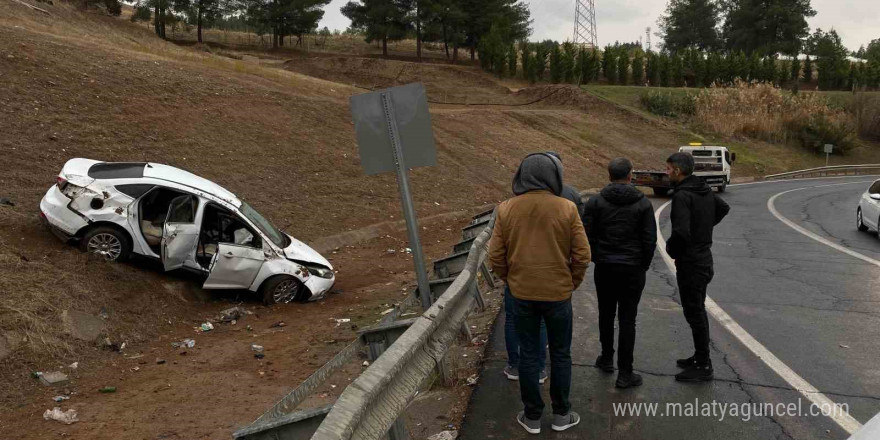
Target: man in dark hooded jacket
(569, 192)
(695, 212)
(539, 249)
(620, 224)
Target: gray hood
(538, 172)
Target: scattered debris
(135, 369)
(61, 398)
(160, 361)
(471, 381)
(188, 343)
(844, 346)
(73, 366)
(257, 348)
(5, 201)
(249, 328)
(259, 355)
(232, 314)
(341, 321)
(366, 363)
(278, 324)
(387, 311)
(444, 435)
(206, 327)
(106, 390)
(67, 417)
(52, 378)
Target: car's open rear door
(181, 233)
(234, 267)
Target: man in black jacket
(695, 212)
(623, 234)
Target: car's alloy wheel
(286, 291)
(105, 245)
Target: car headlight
(320, 271)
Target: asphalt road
(814, 307)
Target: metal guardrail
(834, 170)
(371, 404)
(454, 299)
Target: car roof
(185, 178)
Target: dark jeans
(557, 316)
(692, 282)
(619, 289)
(511, 340)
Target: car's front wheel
(283, 289)
(860, 224)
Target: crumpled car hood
(298, 250)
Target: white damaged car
(115, 209)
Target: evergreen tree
(528, 63)
(541, 52)
(664, 69)
(808, 70)
(606, 58)
(623, 67)
(676, 70)
(769, 70)
(556, 73)
(767, 26)
(511, 60)
(795, 72)
(741, 63)
(595, 64)
(610, 58)
(831, 59)
(784, 73)
(379, 20)
(714, 64)
(569, 57)
(690, 23)
(638, 68)
(755, 72)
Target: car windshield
(267, 228)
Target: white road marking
(772, 207)
(845, 421)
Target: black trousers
(558, 317)
(619, 289)
(693, 279)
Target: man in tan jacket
(540, 250)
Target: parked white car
(115, 209)
(868, 212)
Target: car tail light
(60, 182)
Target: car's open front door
(181, 233)
(234, 267)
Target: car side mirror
(732, 158)
(875, 196)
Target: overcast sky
(857, 21)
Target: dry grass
(761, 111)
(866, 109)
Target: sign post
(828, 149)
(393, 130)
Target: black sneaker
(696, 373)
(605, 364)
(628, 379)
(685, 363)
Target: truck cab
(711, 163)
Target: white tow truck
(711, 163)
